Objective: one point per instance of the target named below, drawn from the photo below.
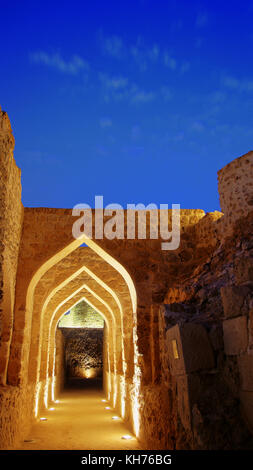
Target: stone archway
(42, 300)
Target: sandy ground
(79, 422)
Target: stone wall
(60, 368)
(18, 402)
(83, 352)
(236, 191)
(205, 338)
(16, 415)
(11, 215)
(237, 299)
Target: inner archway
(83, 330)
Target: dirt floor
(79, 422)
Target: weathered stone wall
(236, 191)
(15, 415)
(11, 215)
(15, 404)
(235, 187)
(83, 352)
(60, 370)
(207, 383)
(206, 353)
(237, 300)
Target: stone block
(189, 349)
(243, 270)
(188, 394)
(183, 401)
(234, 300)
(235, 334)
(245, 364)
(247, 407)
(251, 329)
(216, 337)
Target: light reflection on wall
(89, 373)
(46, 393)
(137, 385)
(37, 397)
(82, 315)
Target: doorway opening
(82, 328)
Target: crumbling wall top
(236, 188)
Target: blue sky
(138, 101)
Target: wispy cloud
(111, 46)
(143, 55)
(113, 88)
(197, 126)
(119, 88)
(139, 53)
(201, 20)
(169, 61)
(216, 97)
(101, 150)
(113, 83)
(154, 52)
(166, 93)
(231, 82)
(40, 159)
(56, 61)
(184, 67)
(142, 96)
(105, 122)
(241, 85)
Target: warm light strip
(84, 286)
(55, 312)
(62, 254)
(55, 290)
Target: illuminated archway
(100, 305)
(121, 303)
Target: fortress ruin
(178, 325)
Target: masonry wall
(236, 192)
(60, 370)
(83, 352)
(15, 415)
(11, 215)
(15, 403)
(205, 335)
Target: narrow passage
(80, 421)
